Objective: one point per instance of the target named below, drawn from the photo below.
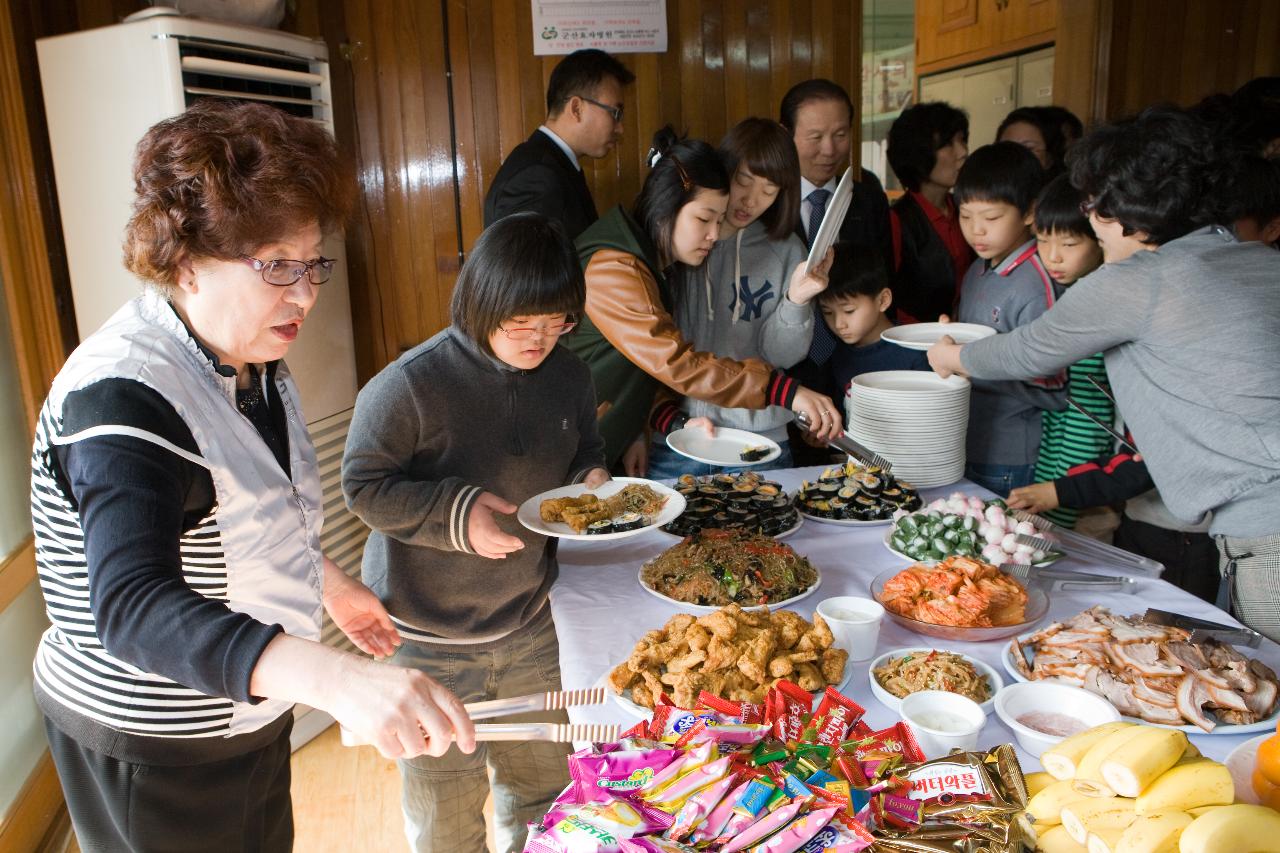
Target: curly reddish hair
(224, 178)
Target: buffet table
(601, 611)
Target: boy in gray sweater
(446, 441)
(1006, 287)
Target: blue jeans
(666, 464)
(1001, 479)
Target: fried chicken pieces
(732, 653)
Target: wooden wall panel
(1180, 51)
(726, 60)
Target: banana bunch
(1128, 788)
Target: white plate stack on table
(916, 419)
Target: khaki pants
(443, 798)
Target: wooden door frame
(39, 813)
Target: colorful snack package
(745, 712)
(836, 714)
(671, 797)
(654, 844)
(710, 828)
(639, 730)
(596, 775)
(669, 721)
(848, 767)
(898, 739)
(894, 811)
(795, 706)
(696, 757)
(1003, 835)
(593, 827)
(794, 835)
(838, 837)
(732, 737)
(699, 807)
(967, 785)
(769, 750)
(764, 827)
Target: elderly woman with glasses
(177, 509)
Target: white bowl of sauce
(1042, 713)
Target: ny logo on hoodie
(752, 301)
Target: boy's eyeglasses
(283, 272)
(525, 333)
(616, 112)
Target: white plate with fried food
(618, 508)
(731, 652)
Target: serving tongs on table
(1083, 546)
(1202, 629)
(847, 445)
(1065, 580)
(553, 732)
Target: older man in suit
(819, 114)
(584, 119)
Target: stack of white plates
(915, 419)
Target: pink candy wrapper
(654, 844)
(696, 757)
(596, 775)
(593, 827)
(670, 798)
(765, 826)
(715, 823)
(698, 807)
(793, 836)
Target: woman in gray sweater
(1187, 319)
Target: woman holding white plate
(750, 299)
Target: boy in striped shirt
(1069, 251)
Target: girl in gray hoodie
(751, 297)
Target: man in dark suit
(819, 114)
(584, 119)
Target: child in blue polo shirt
(1006, 287)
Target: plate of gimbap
(855, 495)
(741, 501)
(727, 447)
(623, 506)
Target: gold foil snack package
(963, 803)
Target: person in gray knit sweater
(751, 299)
(1186, 318)
(445, 442)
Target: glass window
(15, 447)
(888, 77)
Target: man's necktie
(823, 343)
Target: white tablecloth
(601, 611)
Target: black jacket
(867, 222)
(924, 285)
(538, 176)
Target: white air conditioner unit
(103, 89)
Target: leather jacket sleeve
(623, 303)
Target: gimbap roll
(604, 525)
(628, 521)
